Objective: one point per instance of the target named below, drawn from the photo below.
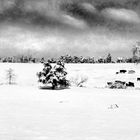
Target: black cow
(109, 83)
(130, 84)
(138, 79)
(121, 82)
(123, 71)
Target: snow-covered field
(92, 112)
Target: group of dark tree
(19, 59)
(69, 59)
(107, 59)
(64, 58)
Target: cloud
(73, 14)
(77, 23)
(89, 7)
(53, 43)
(122, 15)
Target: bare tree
(10, 76)
(108, 58)
(136, 52)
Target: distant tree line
(17, 59)
(69, 59)
(81, 59)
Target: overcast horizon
(52, 28)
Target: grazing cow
(123, 71)
(117, 85)
(131, 72)
(130, 84)
(138, 79)
(121, 82)
(109, 83)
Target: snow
(89, 113)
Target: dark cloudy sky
(77, 27)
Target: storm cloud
(77, 27)
(72, 13)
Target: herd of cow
(119, 84)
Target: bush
(78, 81)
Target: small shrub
(79, 80)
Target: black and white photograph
(69, 69)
